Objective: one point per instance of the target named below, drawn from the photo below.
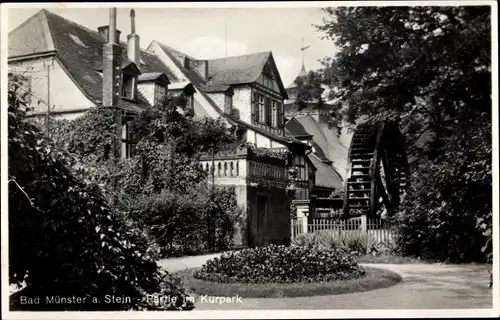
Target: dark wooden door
(261, 220)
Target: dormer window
(189, 102)
(130, 72)
(160, 92)
(228, 104)
(128, 87)
(153, 87)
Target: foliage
(309, 87)
(352, 242)
(280, 264)
(265, 152)
(157, 185)
(64, 238)
(178, 221)
(430, 69)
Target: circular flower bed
(280, 264)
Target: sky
(200, 32)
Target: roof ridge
(92, 31)
(70, 21)
(173, 49)
(242, 55)
(46, 29)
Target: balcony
(245, 166)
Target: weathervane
(303, 48)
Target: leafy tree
(64, 238)
(157, 185)
(430, 69)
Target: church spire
(303, 48)
(303, 71)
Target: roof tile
(83, 63)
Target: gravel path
(424, 286)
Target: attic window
(228, 103)
(160, 92)
(77, 40)
(128, 86)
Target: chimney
(104, 33)
(111, 74)
(133, 42)
(111, 61)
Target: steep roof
(178, 57)
(238, 69)
(78, 48)
(152, 76)
(326, 140)
(301, 74)
(32, 36)
(203, 86)
(326, 175)
(225, 71)
(296, 129)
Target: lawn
(374, 278)
(390, 259)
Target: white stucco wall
(218, 98)
(262, 141)
(243, 103)
(147, 89)
(64, 93)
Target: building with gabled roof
(69, 68)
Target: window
(228, 104)
(268, 81)
(279, 115)
(274, 114)
(128, 148)
(160, 92)
(268, 111)
(262, 112)
(127, 86)
(189, 102)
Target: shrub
(192, 222)
(64, 238)
(280, 264)
(348, 241)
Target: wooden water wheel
(377, 173)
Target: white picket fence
(379, 229)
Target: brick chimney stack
(111, 79)
(133, 42)
(111, 65)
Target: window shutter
(255, 111)
(282, 115)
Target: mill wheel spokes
(376, 174)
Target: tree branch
(27, 197)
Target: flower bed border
(375, 278)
